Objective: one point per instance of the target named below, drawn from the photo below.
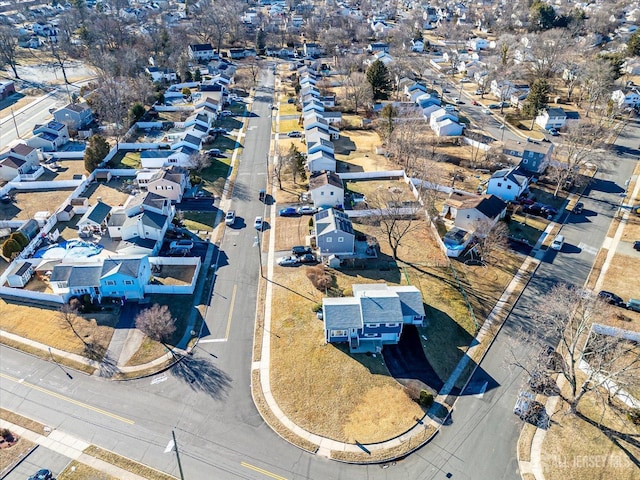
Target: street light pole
(15, 124)
(175, 446)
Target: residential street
(206, 399)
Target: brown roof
(325, 178)
(12, 162)
(22, 149)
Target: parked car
(548, 211)
(288, 261)
(486, 111)
(215, 152)
(308, 258)
(455, 100)
(611, 298)
(553, 132)
(219, 130)
(449, 108)
(258, 223)
(307, 210)
(230, 217)
(578, 208)
(262, 195)
(558, 242)
(42, 474)
(634, 304)
(291, 100)
(478, 92)
(494, 106)
(288, 212)
(475, 102)
(294, 134)
(522, 404)
(226, 113)
(181, 245)
(299, 250)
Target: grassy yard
(124, 159)
(45, 326)
(79, 471)
(215, 176)
(289, 125)
(199, 220)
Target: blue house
(373, 317)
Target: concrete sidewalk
(70, 447)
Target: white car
(307, 210)
(558, 242)
(258, 223)
(230, 217)
(226, 113)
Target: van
(557, 242)
(634, 304)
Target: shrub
(10, 248)
(76, 304)
(320, 279)
(195, 180)
(317, 307)
(7, 435)
(311, 222)
(347, 292)
(426, 398)
(20, 237)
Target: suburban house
(534, 156)
(165, 158)
(170, 182)
(121, 277)
(7, 88)
(626, 98)
(334, 233)
(447, 128)
(321, 162)
(202, 52)
(158, 74)
(416, 45)
(505, 89)
(312, 49)
(478, 44)
(373, 317)
(378, 47)
(49, 137)
(75, 115)
(552, 118)
(507, 184)
(469, 211)
(326, 189)
(17, 160)
(319, 145)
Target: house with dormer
(18, 159)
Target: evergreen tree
(633, 45)
(378, 77)
(95, 152)
(542, 16)
(537, 99)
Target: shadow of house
(344, 145)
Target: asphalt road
(207, 401)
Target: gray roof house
(334, 233)
(75, 116)
(508, 184)
(326, 187)
(95, 217)
(373, 317)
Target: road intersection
(206, 399)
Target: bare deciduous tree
(156, 323)
(358, 92)
(395, 218)
(199, 161)
(67, 315)
(490, 237)
(8, 48)
(588, 361)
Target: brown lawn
(27, 203)
(45, 326)
(112, 192)
(175, 274)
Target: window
(508, 187)
(329, 239)
(391, 325)
(373, 325)
(338, 333)
(525, 161)
(340, 239)
(128, 282)
(110, 283)
(332, 193)
(322, 194)
(499, 184)
(468, 216)
(371, 335)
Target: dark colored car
(534, 209)
(307, 258)
(636, 245)
(549, 211)
(578, 208)
(288, 212)
(42, 474)
(299, 250)
(611, 298)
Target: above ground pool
(68, 249)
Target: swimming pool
(68, 249)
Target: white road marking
(159, 379)
(212, 340)
(587, 248)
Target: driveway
(407, 363)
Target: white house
(552, 118)
(326, 190)
(439, 115)
(470, 211)
(321, 162)
(507, 184)
(477, 43)
(20, 274)
(170, 182)
(162, 74)
(49, 137)
(626, 98)
(447, 128)
(165, 158)
(202, 52)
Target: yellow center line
(233, 300)
(260, 470)
(67, 399)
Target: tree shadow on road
(202, 375)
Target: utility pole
(175, 446)
(15, 124)
(257, 243)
